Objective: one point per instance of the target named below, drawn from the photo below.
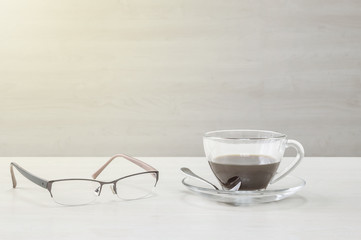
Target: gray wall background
(148, 78)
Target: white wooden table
(329, 207)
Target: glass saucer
(274, 192)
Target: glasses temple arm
(137, 162)
(38, 181)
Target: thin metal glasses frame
(48, 184)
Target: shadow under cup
(248, 159)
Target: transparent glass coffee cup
(248, 159)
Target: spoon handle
(189, 173)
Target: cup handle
(300, 154)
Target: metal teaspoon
(236, 183)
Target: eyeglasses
(80, 191)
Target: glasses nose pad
(97, 191)
(112, 187)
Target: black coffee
(255, 172)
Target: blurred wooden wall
(148, 78)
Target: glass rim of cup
(213, 135)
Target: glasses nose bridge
(112, 186)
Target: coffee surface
(254, 171)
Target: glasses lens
(136, 186)
(75, 192)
